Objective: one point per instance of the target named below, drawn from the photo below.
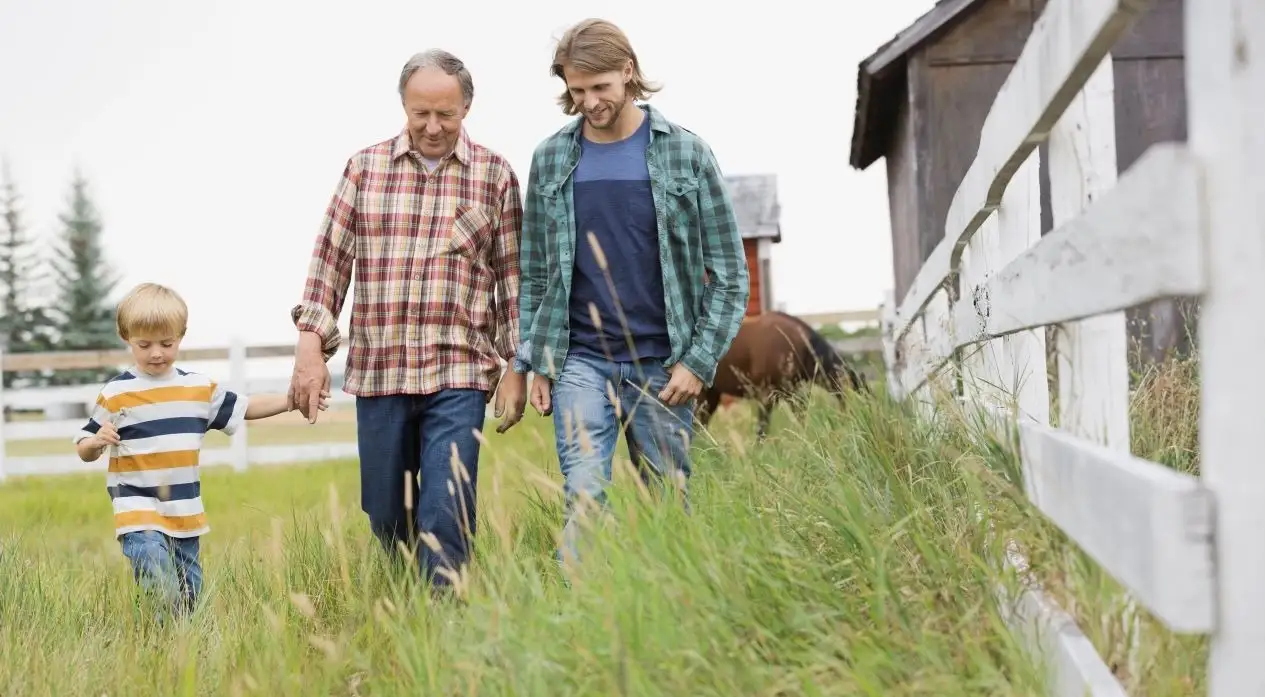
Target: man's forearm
(310, 343)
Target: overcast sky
(213, 133)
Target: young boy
(153, 418)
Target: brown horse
(771, 356)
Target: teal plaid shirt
(697, 233)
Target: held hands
(682, 386)
(292, 403)
(309, 383)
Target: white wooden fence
(239, 454)
(1183, 220)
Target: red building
(756, 208)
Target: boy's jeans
(165, 566)
(593, 398)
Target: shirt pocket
(554, 216)
(682, 208)
(471, 232)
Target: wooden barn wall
(903, 200)
(954, 81)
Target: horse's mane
(825, 354)
(827, 357)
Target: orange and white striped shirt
(153, 477)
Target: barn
(921, 102)
(756, 209)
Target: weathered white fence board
(1137, 243)
(211, 457)
(1148, 525)
(1225, 83)
(1070, 39)
(1074, 666)
(43, 397)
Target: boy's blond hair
(154, 310)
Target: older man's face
(435, 107)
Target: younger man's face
(154, 354)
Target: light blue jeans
(167, 567)
(593, 398)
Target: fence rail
(239, 454)
(1183, 220)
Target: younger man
(153, 417)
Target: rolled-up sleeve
(329, 271)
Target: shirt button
(417, 277)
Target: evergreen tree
(24, 325)
(85, 281)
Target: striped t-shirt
(153, 476)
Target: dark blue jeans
(418, 434)
(593, 400)
(166, 567)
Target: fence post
(1225, 81)
(239, 380)
(2, 415)
(1092, 353)
(887, 330)
(1025, 376)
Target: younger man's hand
(541, 394)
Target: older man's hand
(310, 379)
(511, 399)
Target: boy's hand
(107, 435)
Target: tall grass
(842, 556)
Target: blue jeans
(416, 434)
(165, 566)
(593, 398)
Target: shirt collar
(658, 123)
(404, 145)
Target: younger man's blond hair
(151, 309)
(597, 46)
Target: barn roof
(881, 79)
(755, 205)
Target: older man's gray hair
(445, 61)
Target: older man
(625, 213)
(430, 221)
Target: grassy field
(843, 556)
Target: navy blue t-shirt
(613, 201)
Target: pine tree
(24, 325)
(85, 282)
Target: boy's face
(154, 354)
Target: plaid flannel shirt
(698, 235)
(436, 266)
